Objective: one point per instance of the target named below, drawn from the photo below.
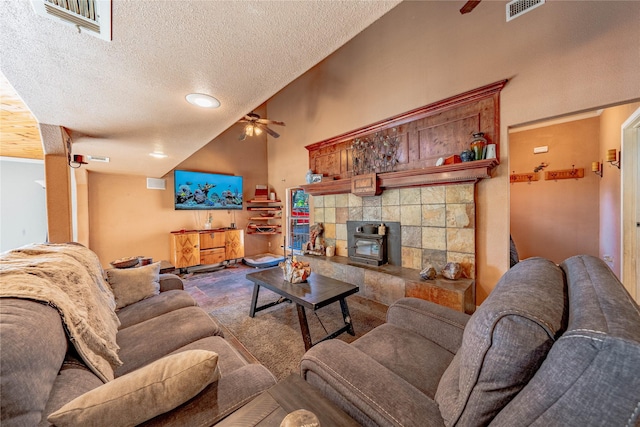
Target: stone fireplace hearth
(437, 223)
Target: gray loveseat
(41, 370)
(551, 346)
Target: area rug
(273, 336)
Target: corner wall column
(58, 188)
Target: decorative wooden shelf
(564, 174)
(266, 224)
(424, 135)
(523, 177)
(434, 175)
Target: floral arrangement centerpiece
(295, 271)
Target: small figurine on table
(315, 245)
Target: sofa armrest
(170, 282)
(436, 323)
(365, 389)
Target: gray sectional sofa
(42, 371)
(551, 346)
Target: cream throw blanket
(68, 277)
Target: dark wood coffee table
(290, 394)
(318, 291)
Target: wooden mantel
(439, 130)
(436, 175)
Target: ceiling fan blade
(267, 130)
(270, 122)
(469, 6)
(243, 136)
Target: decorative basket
(126, 262)
(295, 271)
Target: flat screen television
(205, 191)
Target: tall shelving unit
(266, 217)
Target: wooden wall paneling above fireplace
(441, 129)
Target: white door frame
(630, 198)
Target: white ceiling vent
(90, 16)
(516, 8)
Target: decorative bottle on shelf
(478, 144)
(309, 176)
(207, 225)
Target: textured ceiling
(125, 98)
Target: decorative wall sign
(523, 177)
(564, 174)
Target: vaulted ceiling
(125, 98)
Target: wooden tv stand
(205, 247)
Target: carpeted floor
(273, 335)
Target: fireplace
(366, 246)
(369, 248)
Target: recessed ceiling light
(202, 100)
(158, 155)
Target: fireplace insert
(369, 249)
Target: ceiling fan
(255, 125)
(469, 6)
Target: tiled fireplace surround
(437, 226)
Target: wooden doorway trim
(630, 212)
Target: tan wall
(556, 219)
(560, 58)
(127, 219)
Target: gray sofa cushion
(32, 347)
(147, 341)
(239, 383)
(402, 351)
(504, 343)
(155, 306)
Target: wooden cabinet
(212, 247)
(205, 247)
(185, 249)
(234, 244)
(266, 217)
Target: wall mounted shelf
(435, 175)
(265, 224)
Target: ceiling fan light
(202, 100)
(257, 130)
(248, 130)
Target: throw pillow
(131, 285)
(142, 394)
(504, 343)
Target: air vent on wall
(156, 184)
(90, 16)
(516, 8)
